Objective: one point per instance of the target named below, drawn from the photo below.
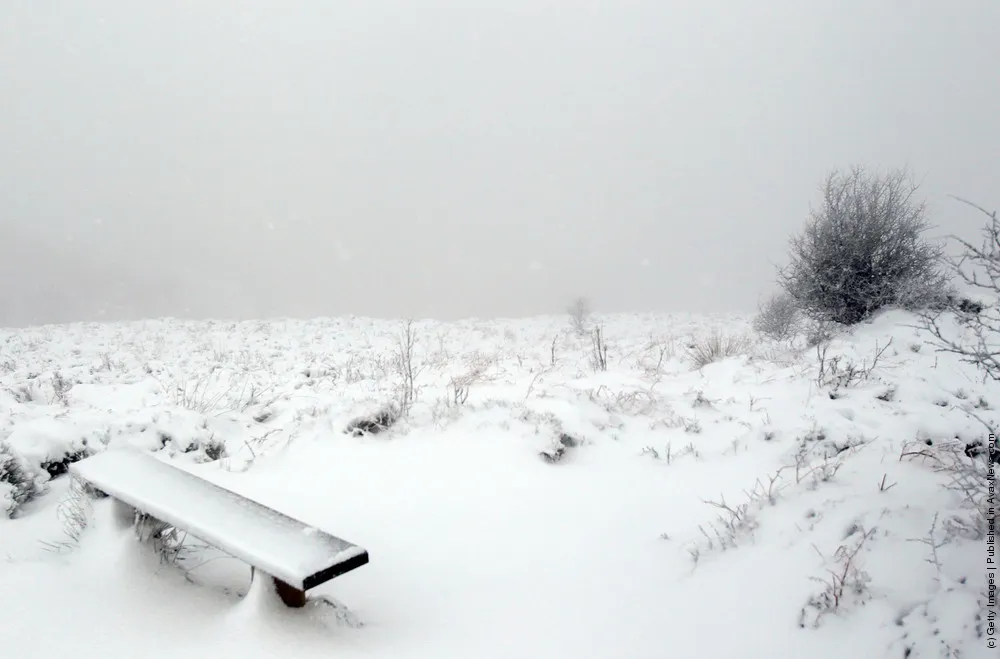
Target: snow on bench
(297, 556)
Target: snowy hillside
(529, 504)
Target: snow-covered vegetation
(641, 486)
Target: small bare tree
(406, 340)
(863, 250)
(979, 268)
(599, 350)
(579, 315)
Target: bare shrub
(979, 268)
(840, 373)
(777, 317)
(579, 315)
(968, 475)
(731, 525)
(60, 389)
(822, 471)
(717, 346)
(846, 580)
(863, 250)
(460, 386)
(459, 390)
(735, 523)
(633, 401)
(649, 366)
(218, 391)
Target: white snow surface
(479, 547)
(246, 529)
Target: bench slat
(273, 542)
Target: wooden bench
(295, 555)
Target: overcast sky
(467, 158)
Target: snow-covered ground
(481, 546)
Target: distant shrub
(863, 250)
(717, 346)
(778, 317)
(579, 315)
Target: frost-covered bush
(18, 481)
(863, 250)
(778, 317)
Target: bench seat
(288, 550)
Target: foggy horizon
(259, 159)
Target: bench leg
(289, 595)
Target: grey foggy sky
(447, 159)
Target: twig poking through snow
(845, 578)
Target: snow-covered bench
(296, 556)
